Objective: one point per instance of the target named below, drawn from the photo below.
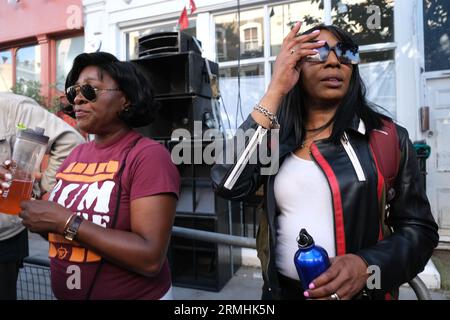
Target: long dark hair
(292, 113)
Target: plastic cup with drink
(28, 152)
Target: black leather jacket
(358, 207)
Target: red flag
(192, 6)
(183, 21)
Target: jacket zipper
(353, 158)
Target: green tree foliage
(355, 19)
(30, 89)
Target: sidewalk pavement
(246, 283)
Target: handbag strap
(116, 213)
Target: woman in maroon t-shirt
(110, 215)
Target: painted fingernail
(8, 176)
(306, 294)
(316, 51)
(316, 31)
(1, 192)
(7, 162)
(6, 185)
(321, 41)
(311, 285)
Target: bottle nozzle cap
(304, 239)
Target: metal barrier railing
(33, 282)
(34, 277)
(420, 289)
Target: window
(132, 37)
(66, 51)
(242, 41)
(378, 72)
(252, 36)
(371, 23)
(252, 83)
(6, 76)
(436, 22)
(28, 63)
(283, 17)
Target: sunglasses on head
(88, 91)
(345, 52)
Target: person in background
(14, 110)
(328, 181)
(110, 215)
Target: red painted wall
(28, 18)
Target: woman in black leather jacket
(328, 181)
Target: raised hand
(287, 70)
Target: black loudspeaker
(200, 264)
(179, 74)
(180, 113)
(182, 86)
(166, 42)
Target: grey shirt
(15, 109)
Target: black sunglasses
(87, 91)
(345, 52)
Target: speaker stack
(181, 82)
(182, 85)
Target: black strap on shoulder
(116, 213)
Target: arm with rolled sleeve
(63, 138)
(15, 109)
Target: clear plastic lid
(36, 135)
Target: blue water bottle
(310, 260)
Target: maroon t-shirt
(87, 184)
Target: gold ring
(335, 296)
(292, 51)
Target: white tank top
(304, 199)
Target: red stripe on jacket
(380, 186)
(337, 200)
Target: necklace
(322, 127)
(318, 131)
(310, 139)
